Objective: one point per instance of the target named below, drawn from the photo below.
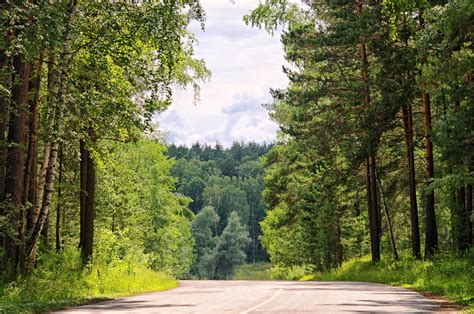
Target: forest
(87, 196)
(376, 125)
(370, 177)
(222, 183)
(375, 147)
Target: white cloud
(243, 120)
(244, 61)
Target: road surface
(269, 297)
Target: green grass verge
(452, 278)
(257, 271)
(46, 290)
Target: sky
(245, 63)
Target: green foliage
(356, 72)
(302, 225)
(289, 273)
(446, 276)
(98, 71)
(204, 228)
(257, 271)
(219, 262)
(225, 196)
(227, 180)
(137, 206)
(271, 14)
(59, 282)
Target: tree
(229, 250)
(137, 206)
(356, 71)
(204, 229)
(447, 85)
(201, 176)
(253, 187)
(224, 194)
(111, 65)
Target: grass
(257, 271)
(64, 284)
(447, 276)
(61, 283)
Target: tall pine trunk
(388, 219)
(372, 212)
(431, 229)
(431, 233)
(415, 225)
(375, 195)
(372, 201)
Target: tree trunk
(58, 206)
(40, 188)
(84, 155)
(16, 156)
(254, 238)
(462, 221)
(5, 100)
(372, 202)
(375, 198)
(45, 232)
(339, 246)
(5, 77)
(32, 156)
(431, 238)
(373, 221)
(89, 215)
(375, 205)
(431, 230)
(469, 213)
(55, 128)
(415, 225)
(53, 88)
(388, 220)
(45, 205)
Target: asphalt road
(269, 297)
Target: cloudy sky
(245, 62)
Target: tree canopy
(378, 91)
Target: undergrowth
(446, 276)
(257, 271)
(59, 282)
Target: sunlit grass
(445, 276)
(257, 271)
(61, 283)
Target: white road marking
(263, 303)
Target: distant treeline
(228, 180)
